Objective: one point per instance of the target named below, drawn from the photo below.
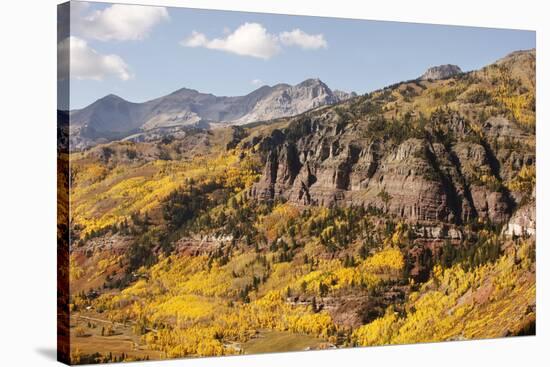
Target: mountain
(291, 100)
(441, 72)
(112, 117)
(424, 150)
(405, 215)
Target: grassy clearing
(86, 339)
(269, 341)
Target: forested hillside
(404, 215)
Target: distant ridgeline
(113, 118)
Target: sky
(144, 52)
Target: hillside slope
(405, 215)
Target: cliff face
(444, 167)
(418, 179)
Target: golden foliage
(102, 197)
(446, 307)
(275, 221)
(525, 180)
(75, 271)
(388, 260)
(195, 306)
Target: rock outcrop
(321, 160)
(458, 165)
(342, 96)
(523, 221)
(292, 100)
(441, 72)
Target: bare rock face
(524, 219)
(491, 205)
(292, 100)
(441, 72)
(200, 245)
(355, 175)
(486, 201)
(321, 160)
(406, 176)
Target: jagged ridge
(112, 117)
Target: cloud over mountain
(253, 39)
(297, 37)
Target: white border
(28, 189)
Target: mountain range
(112, 117)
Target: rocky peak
(311, 82)
(290, 100)
(313, 88)
(441, 72)
(110, 100)
(184, 92)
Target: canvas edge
(63, 177)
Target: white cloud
(256, 82)
(195, 40)
(117, 22)
(252, 39)
(87, 63)
(297, 37)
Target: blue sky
(141, 53)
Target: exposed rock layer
(319, 160)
